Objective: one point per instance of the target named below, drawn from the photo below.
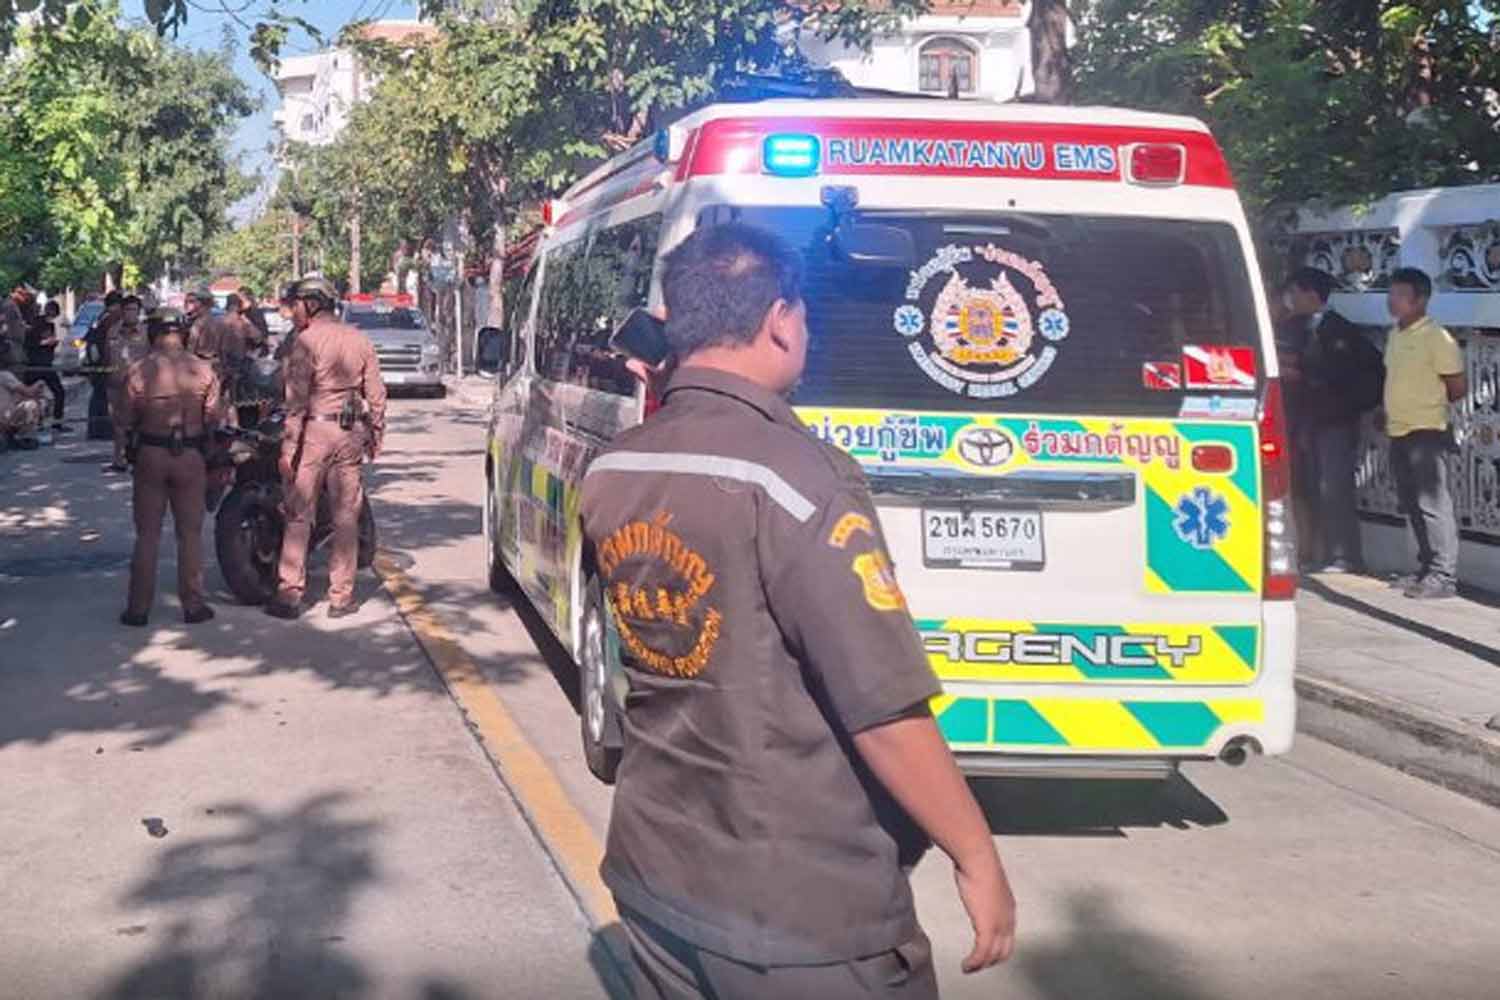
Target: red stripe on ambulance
(913, 147)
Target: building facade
(960, 48)
(319, 90)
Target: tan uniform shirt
(329, 360)
(760, 625)
(169, 389)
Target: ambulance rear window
(1028, 313)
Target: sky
(206, 30)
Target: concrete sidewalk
(1414, 684)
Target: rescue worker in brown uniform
(171, 409)
(335, 416)
(781, 769)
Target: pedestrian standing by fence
(1341, 378)
(778, 743)
(1424, 373)
(170, 410)
(41, 349)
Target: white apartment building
(319, 90)
(975, 48)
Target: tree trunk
(1051, 64)
(356, 265)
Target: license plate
(983, 539)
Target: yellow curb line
(563, 831)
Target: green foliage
(1339, 100)
(258, 253)
(115, 154)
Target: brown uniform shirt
(328, 360)
(170, 389)
(760, 626)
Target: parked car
(409, 354)
(70, 349)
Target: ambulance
(1041, 332)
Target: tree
(1339, 101)
(1050, 60)
(259, 253)
(116, 141)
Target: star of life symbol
(1202, 518)
(909, 321)
(1054, 324)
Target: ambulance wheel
(595, 714)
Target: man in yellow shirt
(1424, 373)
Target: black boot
(280, 609)
(133, 619)
(199, 615)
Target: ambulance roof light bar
(791, 154)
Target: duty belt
(331, 418)
(165, 440)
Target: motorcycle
(245, 496)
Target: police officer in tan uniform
(126, 343)
(335, 416)
(171, 407)
(781, 769)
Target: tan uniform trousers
(333, 456)
(162, 479)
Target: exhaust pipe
(1238, 750)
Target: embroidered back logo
(982, 321)
(656, 588)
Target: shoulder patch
(846, 528)
(881, 590)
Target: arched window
(947, 64)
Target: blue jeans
(1419, 461)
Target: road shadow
(1480, 651)
(256, 909)
(1048, 808)
(1106, 955)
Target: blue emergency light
(790, 154)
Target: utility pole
(355, 267)
(296, 245)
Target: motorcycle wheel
(368, 542)
(247, 540)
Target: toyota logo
(985, 446)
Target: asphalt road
(335, 829)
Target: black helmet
(317, 288)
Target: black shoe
(343, 610)
(197, 616)
(61, 429)
(282, 610)
(132, 619)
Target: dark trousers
(669, 968)
(1337, 451)
(1419, 462)
(54, 386)
(101, 426)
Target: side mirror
(491, 350)
(868, 244)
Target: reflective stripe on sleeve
(778, 489)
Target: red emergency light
(1157, 164)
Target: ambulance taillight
(1157, 164)
(1276, 487)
